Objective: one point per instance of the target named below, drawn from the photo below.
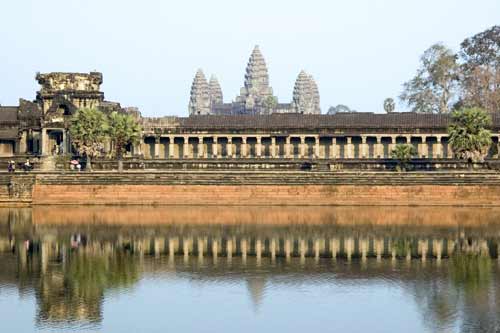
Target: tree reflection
(463, 290)
(75, 291)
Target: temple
(254, 129)
(256, 96)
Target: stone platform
(251, 188)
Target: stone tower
(63, 93)
(215, 91)
(256, 87)
(306, 95)
(199, 102)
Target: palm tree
(123, 129)
(389, 105)
(403, 153)
(468, 134)
(88, 131)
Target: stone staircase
(48, 163)
(270, 178)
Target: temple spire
(256, 87)
(256, 75)
(306, 95)
(215, 91)
(199, 101)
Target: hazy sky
(359, 51)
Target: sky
(359, 51)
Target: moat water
(250, 269)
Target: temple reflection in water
(70, 258)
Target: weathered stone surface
(199, 102)
(306, 95)
(215, 91)
(253, 188)
(256, 87)
(268, 194)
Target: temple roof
(9, 134)
(8, 113)
(358, 120)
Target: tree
(123, 129)
(403, 153)
(341, 108)
(468, 134)
(389, 105)
(88, 131)
(270, 103)
(433, 88)
(480, 83)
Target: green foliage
(62, 160)
(341, 108)
(471, 272)
(88, 131)
(480, 83)
(403, 153)
(468, 134)
(432, 89)
(123, 129)
(389, 105)
(482, 48)
(270, 102)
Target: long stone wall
(252, 188)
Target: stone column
(379, 148)
(144, 147)
(498, 148)
(392, 145)
(302, 147)
(215, 147)
(258, 147)
(438, 151)
(288, 147)
(316, 146)
(229, 147)
(171, 146)
(333, 149)
(186, 147)
(423, 147)
(201, 151)
(157, 147)
(364, 147)
(244, 147)
(273, 147)
(349, 153)
(450, 151)
(44, 142)
(497, 155)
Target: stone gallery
(253, 126)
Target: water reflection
(74, 258)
